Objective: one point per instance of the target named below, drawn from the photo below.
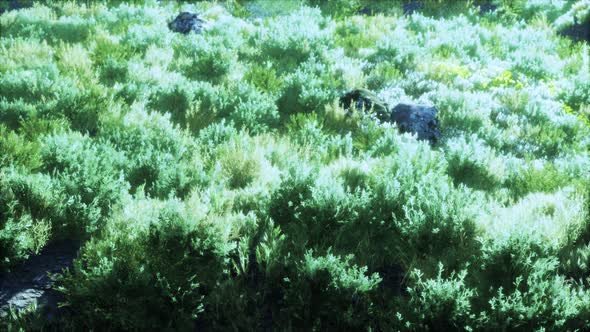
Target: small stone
(186, 22)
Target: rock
(392, 279)
(363, 99)
(412, 7)
(417, 119)
(8, 5)
(365, 11)
(578, 31)
(186, 22)
(30, 282)
(487, 7)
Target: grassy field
(216, 183)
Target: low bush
(133, 261)
(27, 208)
(215, 183)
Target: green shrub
(543, 300)
(293, 39)
(205, 58)
(156, 156)
(88, 181)
(24, 54)
(337, 8)
(308, 89)
(42, 23)
(216, 184)
(252, 110)
(17, 150)
(113, 71)
(199, 106)
(137, 258)
(474, 164)
(441, 303)
(536, 178)
(264, 77)
(27, 210)
(576, 94)
(213, 135)
(331, 293)
(139, 37)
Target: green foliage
(442, 300)
(216, 183)
(155, 155)
(308, 89)
(474, 164)
(537, 178)
(197, 106)
(577, 93)
(113, 71)
(206, 59)
(30, 317)
(26, 210)
(17, 150)
(338, 8)
(40, 22)
(88, 181)
(542, 300)
(138, 259)
(327, 285)
(293, 39)
(263, 77)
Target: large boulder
(578, 31)
(417, 119)
(186, 22)
(363, 99)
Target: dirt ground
(31, 281)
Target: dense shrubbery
(216, 184)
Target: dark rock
(417, 119)
(411, 7)
(392, 279)
(577, 31)
(8, 5)
(365, 11)
(363, 99)
(487, 7)
(186, 22)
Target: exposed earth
(32, 282)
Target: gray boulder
(186, 22)
(417, 119)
